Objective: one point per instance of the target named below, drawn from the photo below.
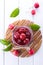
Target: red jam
(22, 35)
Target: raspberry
(21, 30)
(36, 5)
(22, 36)
(33, 12)
(26, 41)
(16, 52)
(16, 35)
(19, 41)
(31, 52)
(11, 26)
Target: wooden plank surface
(9, 6)
(1, 29)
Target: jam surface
(22, 35)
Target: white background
(6, 7)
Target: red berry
(22, 36)
(19, 41)
(33, 12)
(16, 35)
(16, 52)
(26, 41)
(28, 34)
(36, 5)
(31, 51)
(21, 30)
(11, 26)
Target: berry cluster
(22, 36)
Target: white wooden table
(6, 7)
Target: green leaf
(15, 13)
(34, 27)
(8, 48)
(4, 41)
